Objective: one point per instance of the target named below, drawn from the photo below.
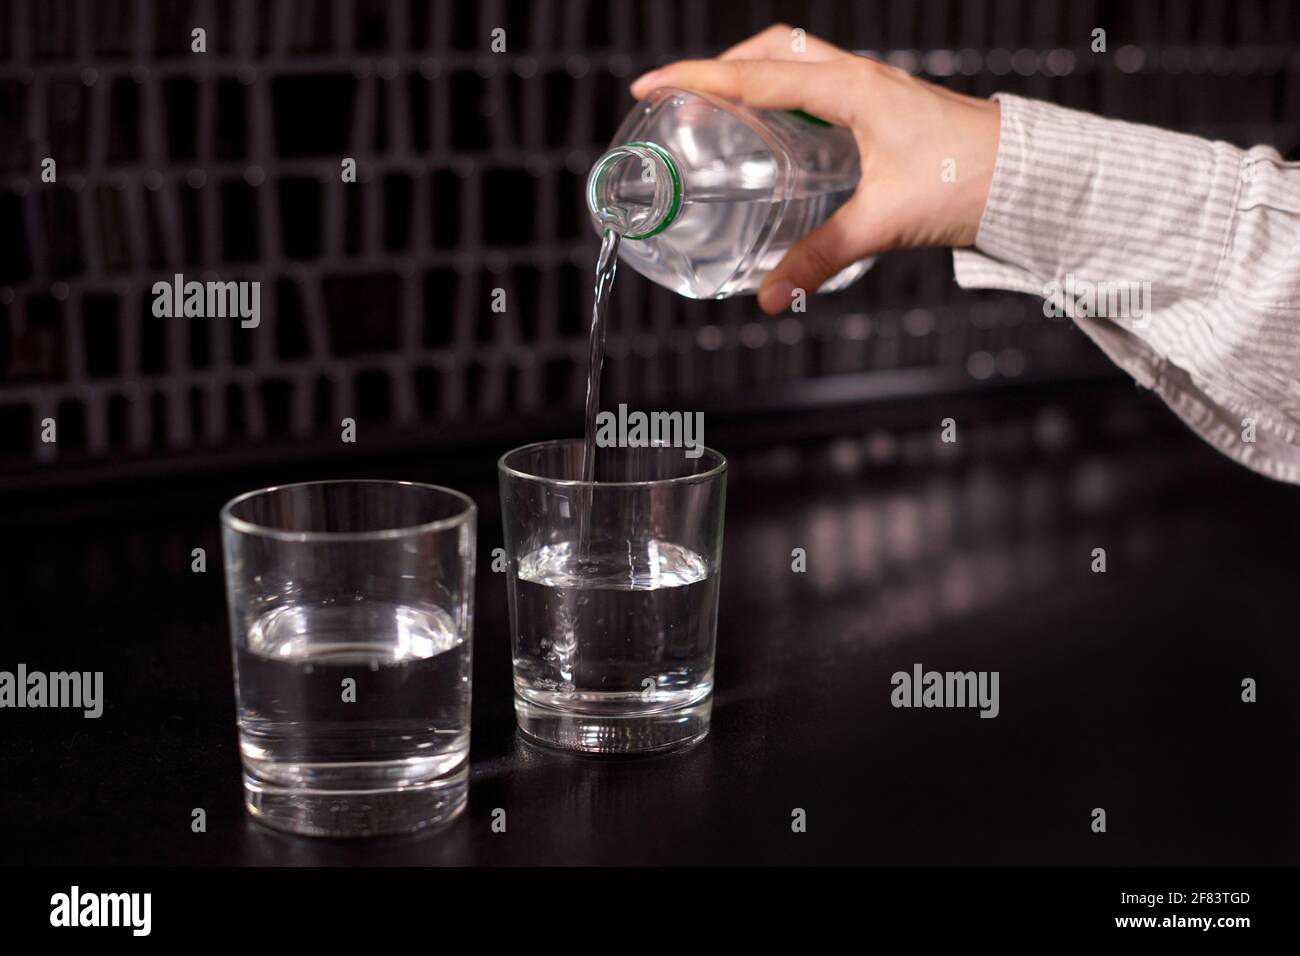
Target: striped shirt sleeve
(1178, 256)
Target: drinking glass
(613, 589)
(351, 615)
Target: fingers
(816, 88)
(780, 69)
(781, 42)
(840, 241)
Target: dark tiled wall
(375, 295)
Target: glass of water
(351, 613)
(613, 591)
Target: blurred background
(1121, 689)
(375, 295)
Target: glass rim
(244, 526)
(717, 470)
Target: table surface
(1119, 690)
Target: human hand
(927, 154)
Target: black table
(1119, 690)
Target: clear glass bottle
(712, 194)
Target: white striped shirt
(1215, 231)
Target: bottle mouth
(635, 190)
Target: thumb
(834, 245)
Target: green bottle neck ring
(667, 201)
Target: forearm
(1179, 256)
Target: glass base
(638, 733)
(357, 813)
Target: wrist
(980, 133)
